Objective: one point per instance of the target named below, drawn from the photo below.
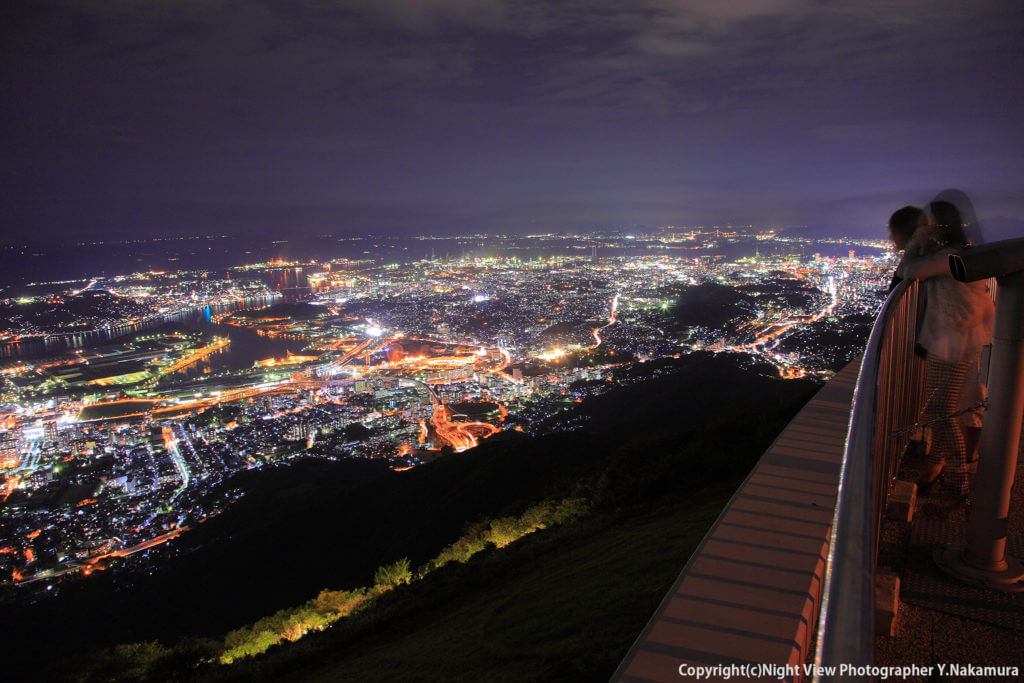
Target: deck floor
(941, 620)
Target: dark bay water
(246, 345)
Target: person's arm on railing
(918, 266)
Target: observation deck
(827, 556)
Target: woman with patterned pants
(956, 323)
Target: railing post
(984, 560)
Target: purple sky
(121, 117)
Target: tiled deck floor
(941, 621)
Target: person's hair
(949, 222)
(903, 223)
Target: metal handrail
(887, 397)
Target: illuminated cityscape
(130, 400)
(472, 340)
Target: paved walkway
(941, 620)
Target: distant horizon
(995, 228)
(23, 265)
(453, 233)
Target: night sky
(135, 118)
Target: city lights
(152, 406)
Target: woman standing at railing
(956, 323)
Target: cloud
(666, 57)
(850, 133)
(432, 15)
(475, 100)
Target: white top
(958, 316)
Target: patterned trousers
(943, 383)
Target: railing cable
(897, 433)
